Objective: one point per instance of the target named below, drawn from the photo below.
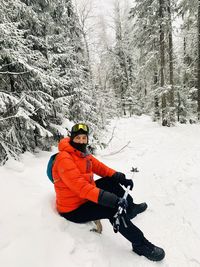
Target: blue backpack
(50, 167)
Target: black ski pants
(91, 211)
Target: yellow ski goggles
(80, 126)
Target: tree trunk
(156, 100)
(198, 66)
(119, 39)
(88, 56)
(162, 62)
(171, 67)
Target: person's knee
(105, 182)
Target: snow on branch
(14, 73)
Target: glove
(121, 178)
(108, 199)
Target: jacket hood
(64, 145)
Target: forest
(57, 63)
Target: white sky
(103, 6)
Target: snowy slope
(33, 235)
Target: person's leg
(109, 184)
(130, 231)
(91, 211)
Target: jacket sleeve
(101, 169)
(77, 182)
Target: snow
(32, 234)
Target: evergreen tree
(152, 31)
(43, 75)
(122, 64)
(187, 95)
(198, 65)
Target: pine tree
(152, 31)
(145, 35)
(43, 75)
(187, 95)
(122, 64)
(198, 66)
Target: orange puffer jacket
(73, 177)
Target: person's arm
(100, 168)
(104, 171)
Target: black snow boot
(149, 250)
(134, 209)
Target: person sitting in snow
(80, 199)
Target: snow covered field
(168, 159)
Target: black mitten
(121, 179)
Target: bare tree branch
(111, 136)
(118, 151)
(14, 73)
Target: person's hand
(121, 178)
(127, 182)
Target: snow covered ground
(168, 159)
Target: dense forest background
(58, 63)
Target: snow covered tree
(43, 74)
(22, 99)
(102, 103)
(198, 67)
(152, 31)
(188, 65)
(122, 63)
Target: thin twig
(118, 151)
(111, 136)
(9, 117)
(14, 73)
